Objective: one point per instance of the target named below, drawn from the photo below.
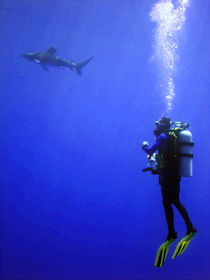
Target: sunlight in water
(169, 19)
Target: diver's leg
(183, 211)
(169, 213)
(180, 207)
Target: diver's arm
(150, 150)
(159, 143)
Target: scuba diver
(168, 167)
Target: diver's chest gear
(177, 157)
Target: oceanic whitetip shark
(49, 58)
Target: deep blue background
(74, 202)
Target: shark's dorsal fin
(51, 50)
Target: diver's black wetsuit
(169, 180)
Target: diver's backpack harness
(165, 157)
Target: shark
(49, 58)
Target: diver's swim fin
(163, 252)
(183, 244)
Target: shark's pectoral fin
(36, 60)
(51, 50)
(45, 67)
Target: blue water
(74, 202)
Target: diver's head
(162, 126)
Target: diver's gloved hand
(145, 144)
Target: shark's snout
(25, 55)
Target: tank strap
(186, 155)
(191, 144)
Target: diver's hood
(161, 128)
(157, 132)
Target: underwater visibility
(104, 140)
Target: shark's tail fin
(80, 65)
